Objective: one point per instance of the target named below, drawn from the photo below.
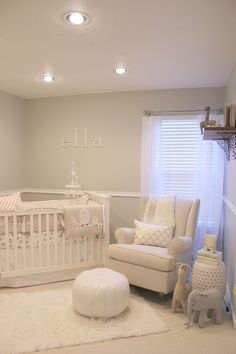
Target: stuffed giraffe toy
(182, 289)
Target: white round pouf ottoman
(100, 292)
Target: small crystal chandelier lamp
(73, 189)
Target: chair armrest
(180, 244)
(125, 235)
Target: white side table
(206, 276)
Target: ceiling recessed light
(121, 71)
(76, 18)
(48, 78)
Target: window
(176, 160)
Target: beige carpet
(215, 339)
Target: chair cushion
(182, 210)
(144, 256)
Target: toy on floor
(200, 302)
(182, 289)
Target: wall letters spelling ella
(80, 140)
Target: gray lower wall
(123, 212)
(123, 209)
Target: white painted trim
(61, 191)
(233, 316)
(109, 193)
(231, 306)
(43, 191)
(230, 205)
(122, 194)
(2, 193)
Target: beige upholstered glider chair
(153, 267)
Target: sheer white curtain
(176, 160)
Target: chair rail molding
(62, 191)
(231, 206)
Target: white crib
(34, 250)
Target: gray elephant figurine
(198, 304)
(207, 123)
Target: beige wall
(116, 118)
(12, 141)
(230, 205)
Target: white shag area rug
(46, 319)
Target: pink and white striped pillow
(9, 202)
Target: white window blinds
(180, 156)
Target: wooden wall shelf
(224, 136)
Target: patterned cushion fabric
(152, 235)
(10, 202)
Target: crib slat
(63, 248)
(40, 239)
(92, 247)
(55, 216)
(85, 248)
(23, 243)
(32, 240)
(100, 246)
(78, 250)
(70, 251)
(48, 239)
(15, 242)
(6, 223)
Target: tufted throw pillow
(10, 202)
(152, 235)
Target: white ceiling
(163, 43)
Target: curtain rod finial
(208, 109)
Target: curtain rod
(183, 112)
